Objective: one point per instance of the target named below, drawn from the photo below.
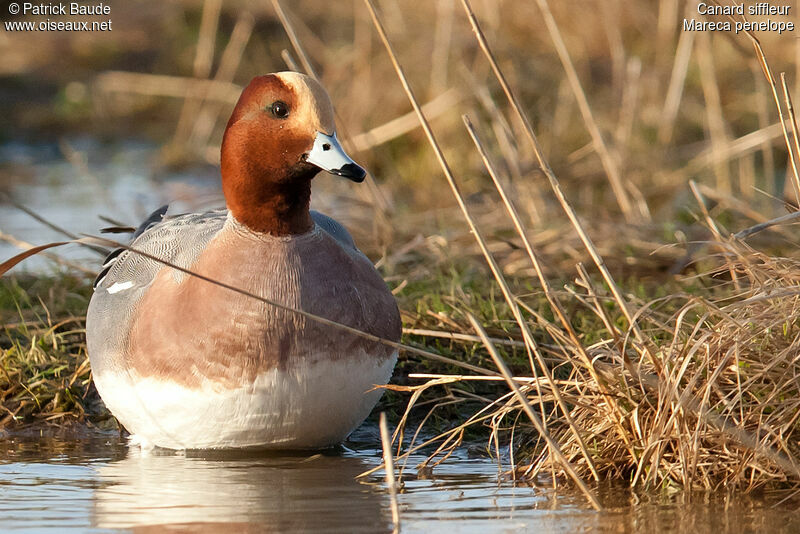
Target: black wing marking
(152, 220)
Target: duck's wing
(334, 228)
(151, 220)
(159, 235)
(126, 277)
(178, 239)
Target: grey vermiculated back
(179, 240)
(154, 218)
(332, 226)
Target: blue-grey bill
(328, 155)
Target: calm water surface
(117, 182)
(96, 483)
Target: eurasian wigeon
(186, 364)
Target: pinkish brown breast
(188, 330)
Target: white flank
(116, 287)
(315, 406)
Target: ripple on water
(96, 484)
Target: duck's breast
(192, 331)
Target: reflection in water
(48, 483)
(265, 494)
(96, 484)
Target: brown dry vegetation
(650, 344)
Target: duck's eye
(279, 109)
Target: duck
(183, 363)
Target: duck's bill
(328, 155)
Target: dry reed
(695, 393)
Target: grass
(583, 233)
(45, 369)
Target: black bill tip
(351, 171)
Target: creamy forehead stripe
(312, 103)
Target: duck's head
(280, 135)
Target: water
(117, 182)
(96, 483)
